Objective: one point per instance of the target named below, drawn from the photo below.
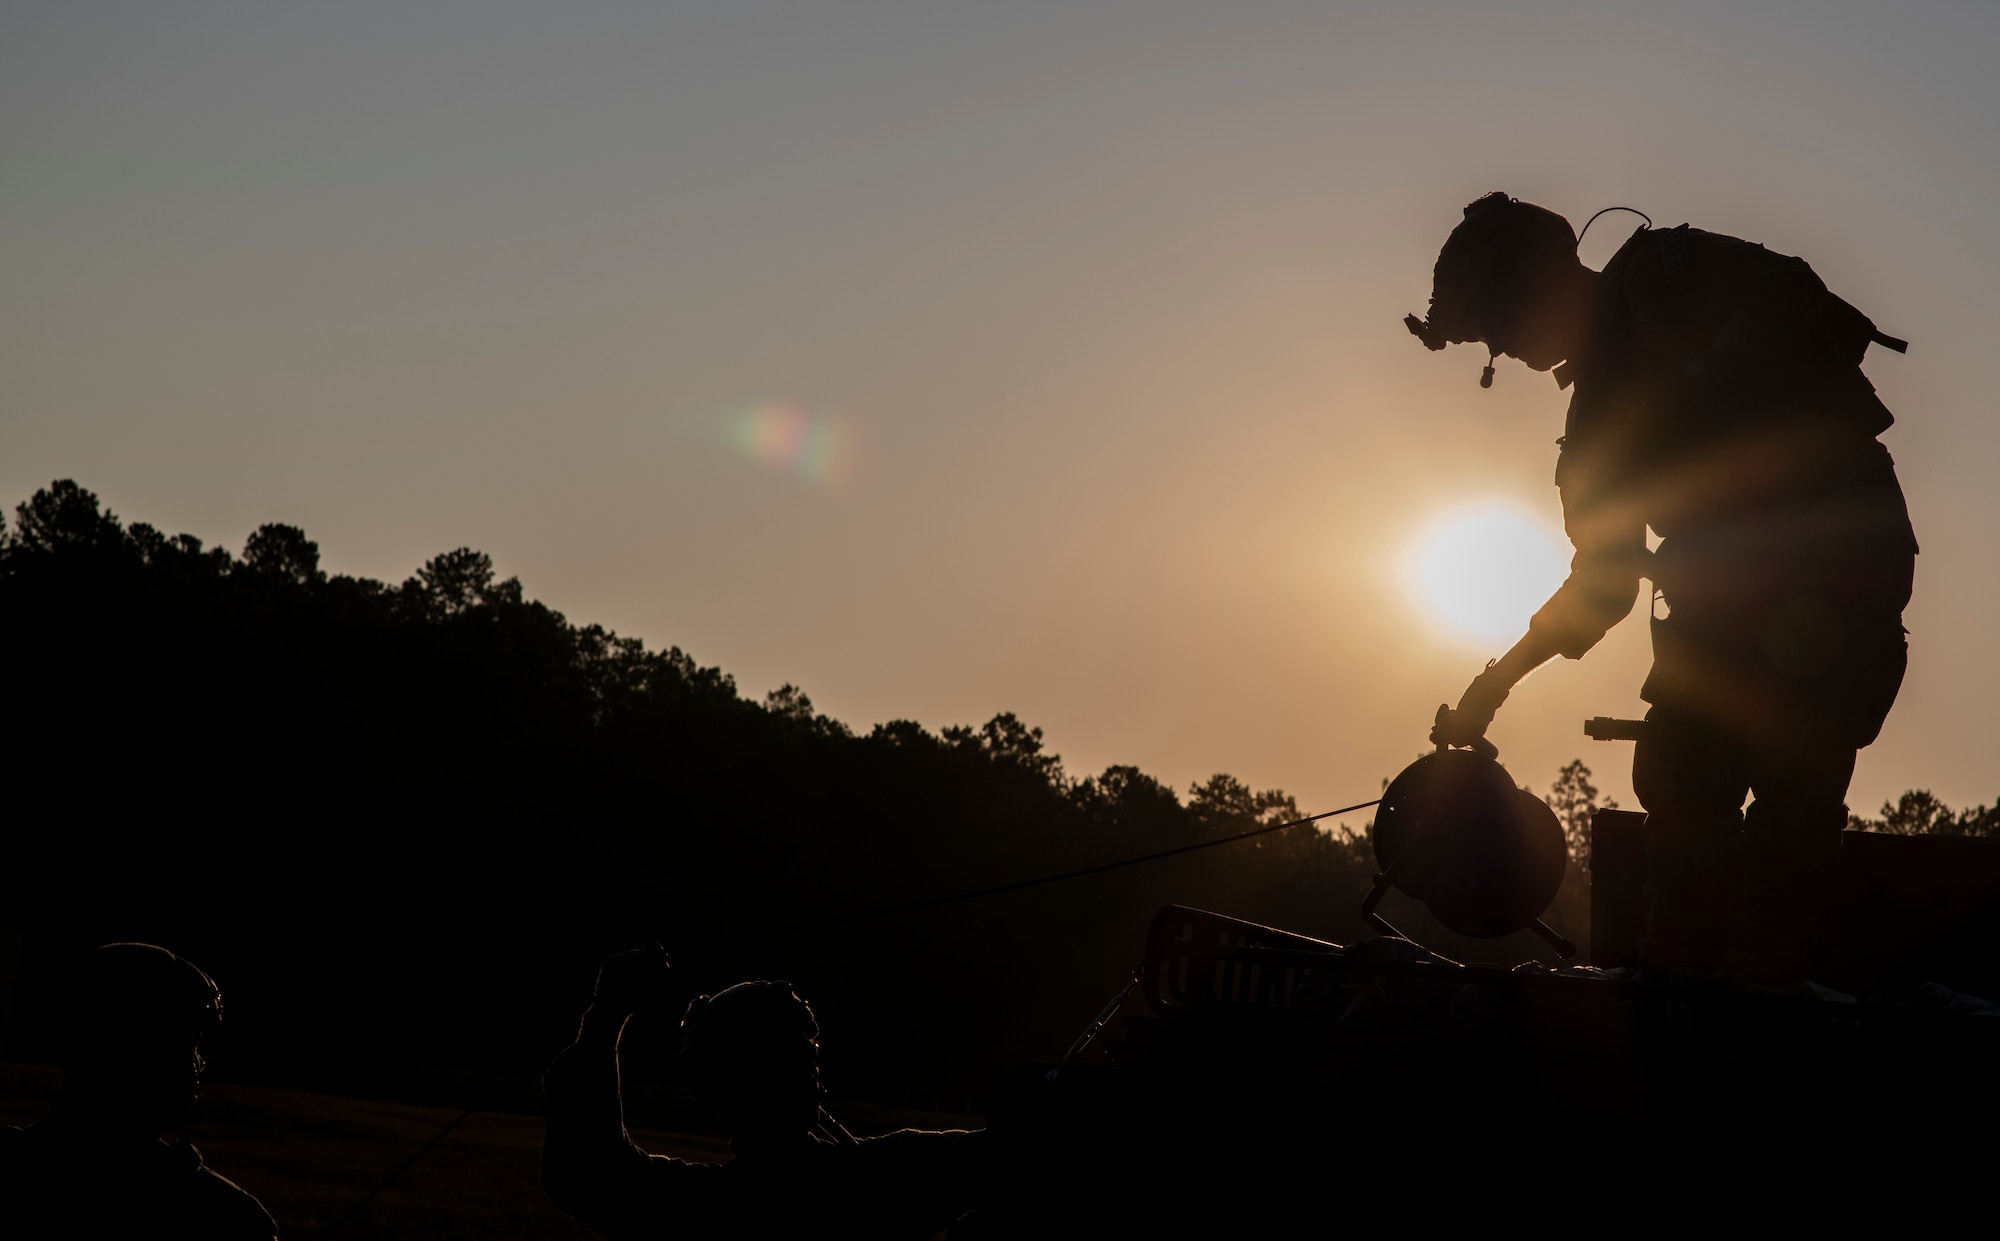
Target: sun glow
(1481, 572)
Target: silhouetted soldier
(751, 1056)
(128, 1027)
(1719, 400)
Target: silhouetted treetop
(63, 517)
(1574, 798)
(1223, 801)
(1124, 794)
(1004, 739)
(1920, 813)
(281, 552)
(789, 703)
(457, 582)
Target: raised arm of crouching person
(750, 1055)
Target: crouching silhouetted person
(128, 1030)
(751, 1056)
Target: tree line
(440, 801)
(1919, 813)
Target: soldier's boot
(1790, 851)
(1691, 884)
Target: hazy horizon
(942, 362)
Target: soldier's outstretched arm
(1466, 724)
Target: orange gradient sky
(946, 360)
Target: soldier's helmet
(1488, 266)
(128, 1025)
(755, 1044)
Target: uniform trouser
(1780, 657)
(1716, 873)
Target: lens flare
(811, 447)
(1481, 572)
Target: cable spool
(1486, 857)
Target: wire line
(997, 889)
(393, 1177)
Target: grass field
(310, 1157)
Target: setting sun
(1481, 572)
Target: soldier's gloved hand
(638, 980)
(1467, 725)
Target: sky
(950, 359)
